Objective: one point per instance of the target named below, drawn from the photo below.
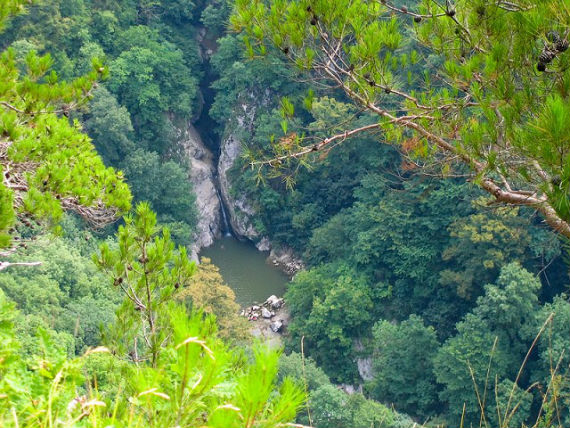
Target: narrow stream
(245, 270)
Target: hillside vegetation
(413, 154)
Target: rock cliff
(241, 212)
(285, 259)
(202, 176)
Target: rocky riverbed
(269, 319)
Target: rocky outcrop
(363, 361)
(268, 320)
(240, 211)
(285, 259)
(264, 244)
(365, 369)
(350, 389)
(207, 41)
(202, 176)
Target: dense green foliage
(396, 259)
(146, 269)
(197, 381)
(384, 243)
(411, 270)
(166, 187)
(488, 346)
(47, 164)
(161, 365)
(330, 407)
(405, 351)
(480, 100)
(154, 70)
(66, 293)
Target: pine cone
(561, 45)
(546, 56)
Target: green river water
(245, 270)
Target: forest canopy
(433, 288)
(162, 365)
(467, 81)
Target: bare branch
(97, 215)
(11, 107)
(408, 12)
(318, 146)
(6, 265)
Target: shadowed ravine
(243, 267)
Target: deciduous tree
(489, 346)
(207, 290)
(404, 352)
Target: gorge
(225, 231)
(412, 279)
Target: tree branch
(317, 146)
(11, 107)
(499, 166)
(508, 195)
(6, 265)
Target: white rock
(271, 300)
(286, 259)
(202, 176)
(265, 313)
(274, 302)
(276, 326)
(240, 209)
(264, 244)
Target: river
(245, 270)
